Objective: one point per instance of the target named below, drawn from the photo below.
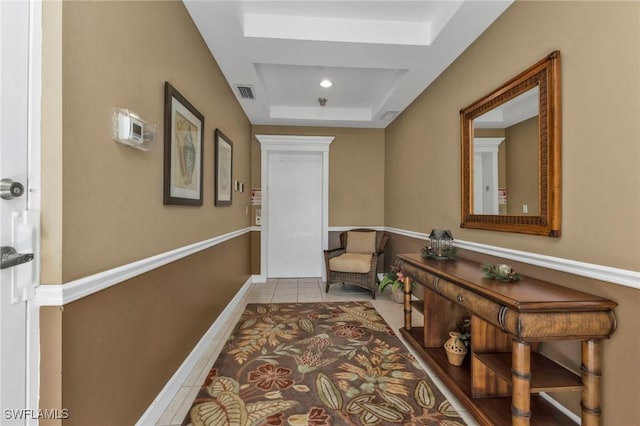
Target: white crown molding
(618, 276)
(61, 294)
(218, 333)
(294, 143)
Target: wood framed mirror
(511, 146)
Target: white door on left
(18, 225)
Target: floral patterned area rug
(317, 364)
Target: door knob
(9, 257)
(10, 189)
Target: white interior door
(295, 214)
(17, 224)
(485, 175)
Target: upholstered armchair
(356, 261)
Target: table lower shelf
(547, 376)
(487, 411)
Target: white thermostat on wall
(130, 129)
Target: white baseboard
(573, 416)
(259, 279)
(219, 330)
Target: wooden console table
(503, 373)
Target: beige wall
(356, 171)
(601, 173)
(122, 345)
(522, 161)
(106, 356)
(51, 146)
(102, 202)
(600, 150)
(112, 207)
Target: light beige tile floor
(296, 290)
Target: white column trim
(618, 276)
(291, 143)
(325, 207)
(61, 294)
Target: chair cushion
(361, 242)
(351, 262)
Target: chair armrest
(333, 252)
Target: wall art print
(223, 161)
(183, 149)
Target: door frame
(287, 143)
(34, 197)
(488, 147)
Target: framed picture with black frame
(183, 150)
(223, 169)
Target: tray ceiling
(379, 55)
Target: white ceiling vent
(245, 91)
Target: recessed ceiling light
(326, 83)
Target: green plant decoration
(393, 279)
(502, 273)
(464, 328)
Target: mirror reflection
(510, 146)
(506, 157)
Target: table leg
(407, 303)
(521, 379)
(591, 377)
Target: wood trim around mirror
(546, 75)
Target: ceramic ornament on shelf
(455, 348)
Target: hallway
(295, 290)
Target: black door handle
(9, 257)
